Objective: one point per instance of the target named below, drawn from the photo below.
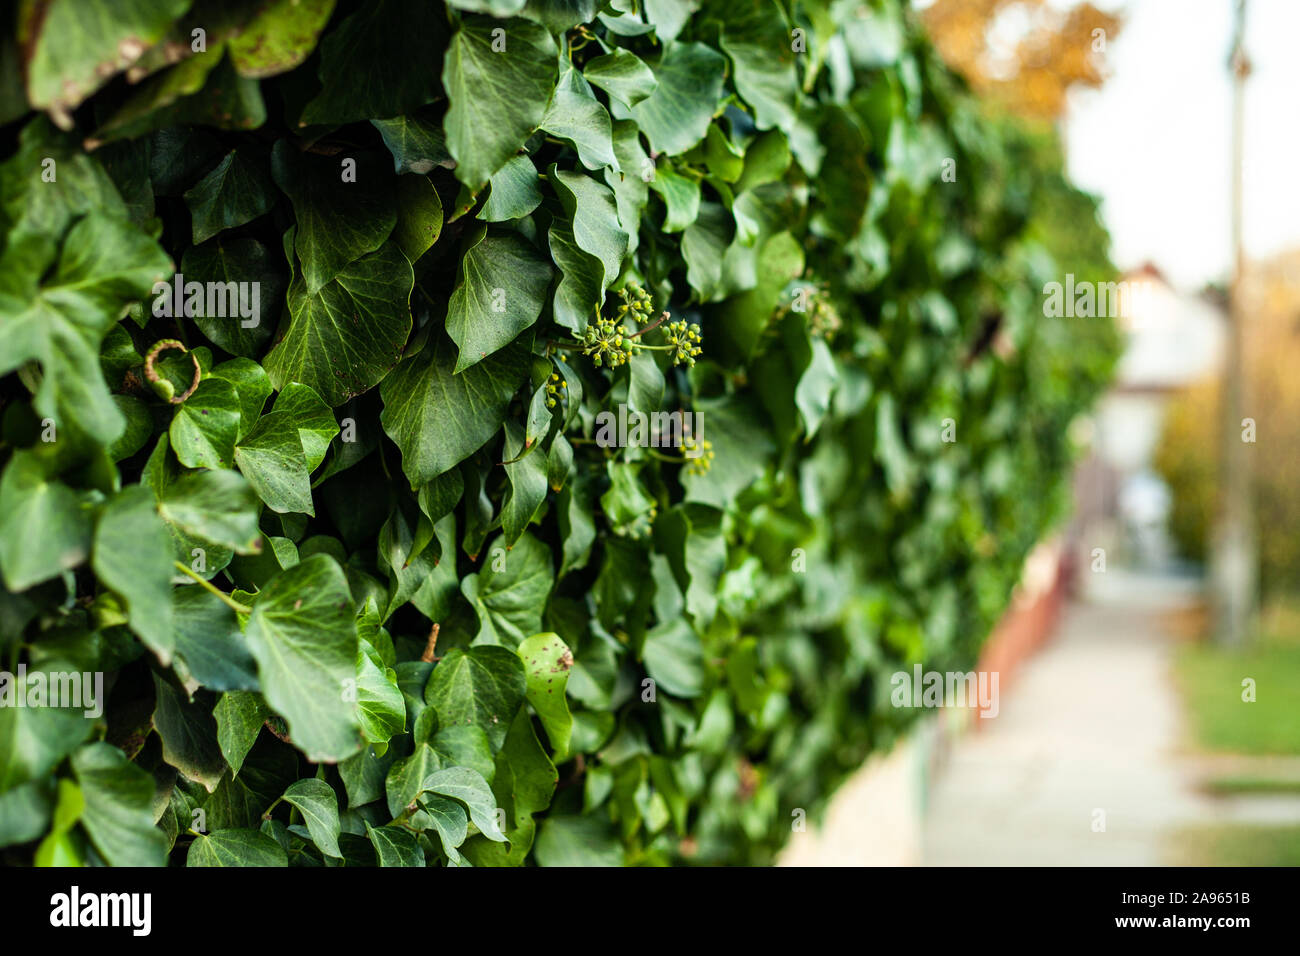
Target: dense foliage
(363, 584)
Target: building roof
(1174, 339)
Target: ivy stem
(278, 801)
(226, 598)
(662, 457)
(431, 645)
(651, 327)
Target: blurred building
(1173, 340)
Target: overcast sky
(1153, 142)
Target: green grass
(1226, 786)
(1237, 845)
(1211, 681)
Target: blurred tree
(1024, 54)
(1188, 456)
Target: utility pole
(1235, 561)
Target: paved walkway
(1091, 723)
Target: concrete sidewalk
(1090, 730)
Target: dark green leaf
(302, 633)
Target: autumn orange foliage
(1023, 54)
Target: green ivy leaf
(76, 47)
(132, 556)
(59, 321)
(33, 740)
(242, 260)
(691, 537)
(344, 338)
(205, 426)
(285, 447)
(589, 247)
(198, 91)
(188, 733)
(45, 526)
(524, 784)
(630, 189)
(547, 660)
(578, 841)
(621, 74)
(439, 418)
(704, 245)
(681, 196)
(396, 846)
(320, 809)
(674, 658)
(252, 386)
(417, 142)
(25, 811)
(117, 816)
(302, 633)
(501, 292)
(239, 716)
(756, 35)
(217, 506)
(338, 222)
(741, 450)
(591, 209)
(743, 318)
(380, 707)
(365, 63)
(465, 746)
(281, 35)
(481, 687)
(510, 594)
(448, 818)
(402, 785)
(468, 787)
(527, 477)
(576, 116)
(845, 175)
(677, 114)
(237, 191)
(236, 847)
(419, 216)
(514, 193)
(209, 642)
(499, 91)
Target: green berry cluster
(610, 343)
(685, 341)
(824, 320)
(607, 344)
(636, 303)
(640, 526)
(699, 454)
(556, 390)
(813, 301)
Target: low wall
(876, 818)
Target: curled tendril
(164, 388)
